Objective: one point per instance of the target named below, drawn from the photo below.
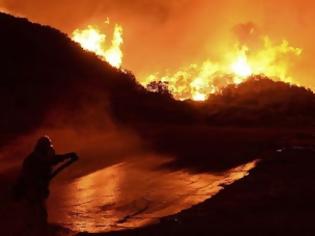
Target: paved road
(132, 194)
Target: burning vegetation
(85, 82)
(92, 39)
(198, 80)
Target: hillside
(261, 101)
(44, 72)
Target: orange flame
(198, 81)
(92, 39)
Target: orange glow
(171, 35)
(103, 199)
(240, 67)
(198, 81)
(92, 39)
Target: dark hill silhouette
(261, 101)
(45, 74)
(43, 70)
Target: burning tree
(160, 87)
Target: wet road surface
(132, 194)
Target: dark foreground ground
(277, 198)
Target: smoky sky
(167, 34)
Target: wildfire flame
(241, 67)
(92, 39)
(198, 81)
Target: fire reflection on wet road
(132, 194)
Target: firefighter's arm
(63, 157)
(71, 157)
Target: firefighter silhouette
(37, 171)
